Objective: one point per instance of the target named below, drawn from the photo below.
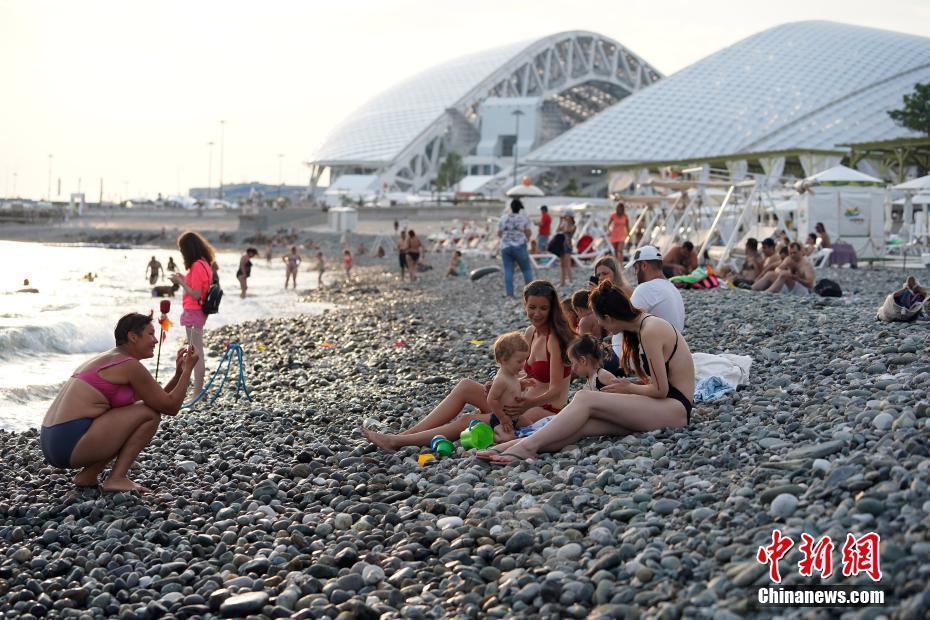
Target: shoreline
(280, 500)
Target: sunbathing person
(548, 337)
(794, 275)
(751, 269)
(655, 352)
(680, 260)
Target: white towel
(734, 369)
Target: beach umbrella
(518, 191)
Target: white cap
(647, 252)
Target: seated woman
(607, 268)
(98, 414)
(547, 369)
(652, 349)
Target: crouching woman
(111, 407)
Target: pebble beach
(278, 508)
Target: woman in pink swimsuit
(548, 375)
(111, 407)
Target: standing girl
(619, 229)
(198, 257)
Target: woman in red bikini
(111, 407)
(548, 337)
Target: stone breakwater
(277, 507)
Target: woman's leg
(123, 433)
(466, 392)
(195, 338)
(243, 286)
(411, 267)
(450, 431)
(526, 265)
(565, 263)
(630, 412)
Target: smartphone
(593, 280)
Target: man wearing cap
(654, 294)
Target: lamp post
(516, 143)
(48, 195)
(209, 170)
(222, 149)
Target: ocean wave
(27, 394)
(65, 337)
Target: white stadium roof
(403, 132)
(800, 86)
(377, 132)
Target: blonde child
(320, 267)
(511, 352)
(347, 261)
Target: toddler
(587, 357)
(511, 352)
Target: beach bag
(699, 278)
(891, 312)
(828, 288)
(557, 244)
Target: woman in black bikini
(655, 352)
(245, 269)
(548, 377)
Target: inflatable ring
(477, 274)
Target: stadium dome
(800, 86)
(400, 137)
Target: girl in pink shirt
(198, 257)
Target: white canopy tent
(851, 206)
(915, 224)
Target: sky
(132, 92)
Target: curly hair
(194, 247)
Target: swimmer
(26, 288)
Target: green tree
(571, 189)
(915, 115)
(450, 171)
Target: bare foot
(514, 455)
(86, 478)
(113, 485)
(379, 439)
(487, 455)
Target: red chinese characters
(816, 556)
(860, 555)
(770, 554)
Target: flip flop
(514, 458)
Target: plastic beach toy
(441, 446)
(478, 435)
(426, 459)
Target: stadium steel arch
(579, 72)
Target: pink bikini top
(117, 394)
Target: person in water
(245, 269)
(171, 266)
(112, 406)
(292, 261)
(27, 288)
(153, 270)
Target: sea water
(44, 336)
